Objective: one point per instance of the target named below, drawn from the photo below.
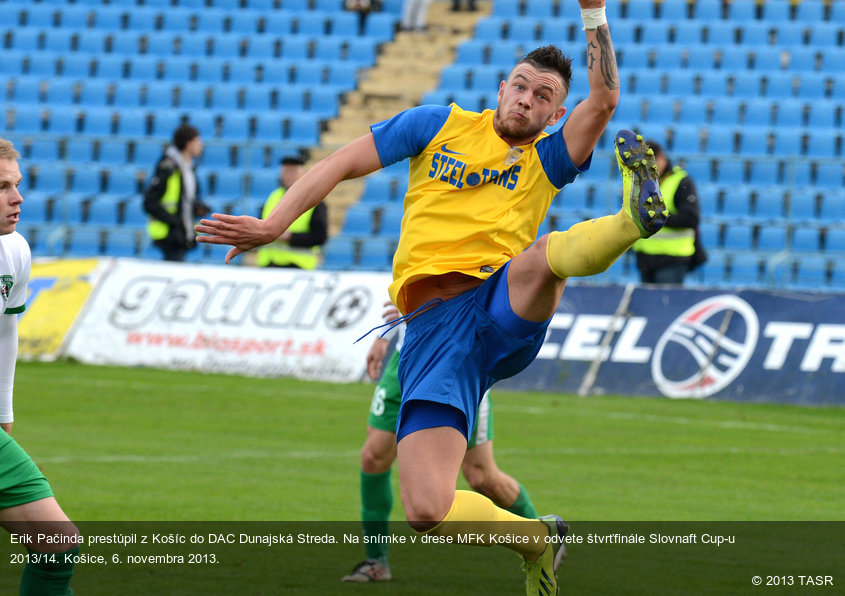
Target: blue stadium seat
(258, 98)
(754, 141)
(121, 242)
(472, 52)
(376, 254)
(132, 122)
(738, 237)
(339, 254)
(235, 126)
(772, 239)
(303, 129)
(343, 24)
(823, 114)
(121, 182)
(147, 153)
(829, 175)
(44, 150)
(713, 84)
(803, 204)
(832, 208)
(380, 26)
(321, 101)
(730, 172)
(810, 272)
(27, 119)
(217, 156)
(391, 220)
(835, 241)
(159, 95)
(720, 33)
(721, 139)
(59, 41)
(226, 46)
(726, 111)
(769, 202)
(736, 202)
(225, 97)
(686, 140)
(358, 221)
(63, 120)
(763, 172)
(378, 188)
(655, 32)
(85, 241)
(103, 211)
(713, 272)
(694, 110)
(789, 113)
(97, 122)
(113, 153)
(787, 141)
(490, 29)
(822, 142)
(745, 268)
(268, 127)
(742, 11)
(790, 33)
(211, 20)
(805, 239)
(79, 150)
(49, 181)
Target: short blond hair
(7, 150)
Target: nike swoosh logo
(444, 150)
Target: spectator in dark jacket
(172, 196)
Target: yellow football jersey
(473, 201)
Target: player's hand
(391, 313)
(7, 426)
(244, 232)
(375, 357)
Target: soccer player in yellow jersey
(477, 290)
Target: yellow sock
(473, 514)
(590, 247)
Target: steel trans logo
(705, 348)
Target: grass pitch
(138, 445)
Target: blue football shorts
(455, 351)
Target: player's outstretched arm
(589, 118)
(354, 160)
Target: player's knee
(424, 511)
(540, 262)
(376, 460)
(476, 477)
(60, 537)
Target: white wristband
(593, 17)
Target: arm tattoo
(607, 58)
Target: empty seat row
(55, 49)
(93, 94)
(211, 70)
(745, 141)
(182, 20)
(106, 151)
(743, 11)
(689, 56)
(303, 127)
(728, 111)
(755, 269)
(624, 32)
(741, 84)
(679, 83)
